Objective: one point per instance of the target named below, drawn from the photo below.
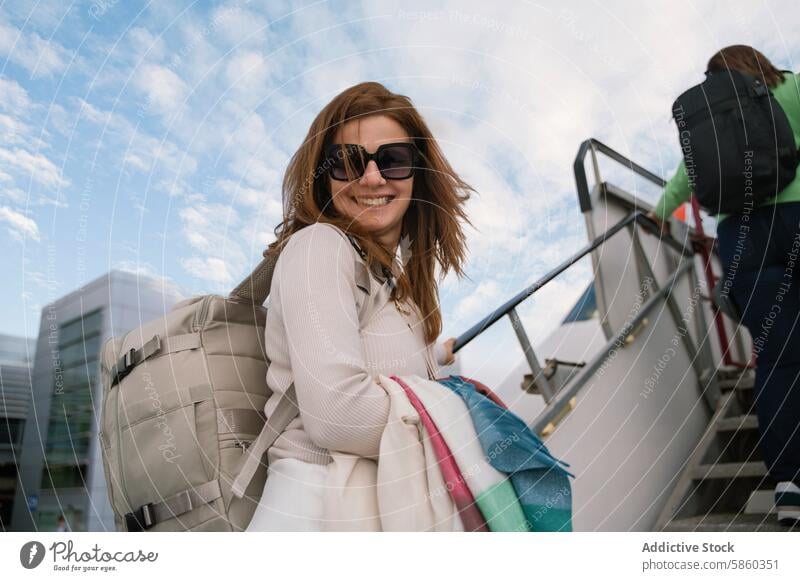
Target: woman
(759, 252)
(368, 181)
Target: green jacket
(677, 189)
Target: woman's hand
(449, 357)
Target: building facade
(60, 468)
(16, 356)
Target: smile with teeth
(382, 201)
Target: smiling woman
(368, 183)
(366, 192)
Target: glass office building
(61, 468)
(16, 355)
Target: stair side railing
(557, 401)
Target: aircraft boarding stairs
(659, 425)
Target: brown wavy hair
(434, 219)
(748, 60)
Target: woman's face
(392, 197)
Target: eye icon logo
(31, 554)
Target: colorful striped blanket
(539, 479)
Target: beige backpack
(182, 413)
(182, 426)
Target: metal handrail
(507, 308)
(584, 199)
(584, 195)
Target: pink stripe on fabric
(471, 517)
(482, 389)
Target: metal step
(736, 423)
(761, 502)
(729, 470)
(727, 419)
(742, 382)
(727, 523)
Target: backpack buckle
(140, 519)
(128, 360)
(244, 444)
(759, 89)
(123, 367)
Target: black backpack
(737, 143)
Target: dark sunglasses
(395, 161)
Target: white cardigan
(314, 339)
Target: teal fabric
(540, 481)
(501, 508)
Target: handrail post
(539, 378)
(587, 372)
(503, 309)
(681, 324)
(595, 163)
(711, 280)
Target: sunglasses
(395, 161)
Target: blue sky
(152, 137)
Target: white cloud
(248, 71)
(213, 270)
(91, 113)
(130, 141)
(209, 227)
(18, 225)
(479, 301)
(57, 200)
(269, 203)
(136, 162)
(11, 129)
(41, 58)
(165, 91)
(214, 231)
(179, 189)
(141, 42)
(148, 275)
(254, 156)
(233, 24)
(13, 97)
(34, 166)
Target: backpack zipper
(243, 444)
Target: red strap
(482, 389)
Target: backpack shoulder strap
(255, 287)
(284, 413)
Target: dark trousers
(760, 252)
